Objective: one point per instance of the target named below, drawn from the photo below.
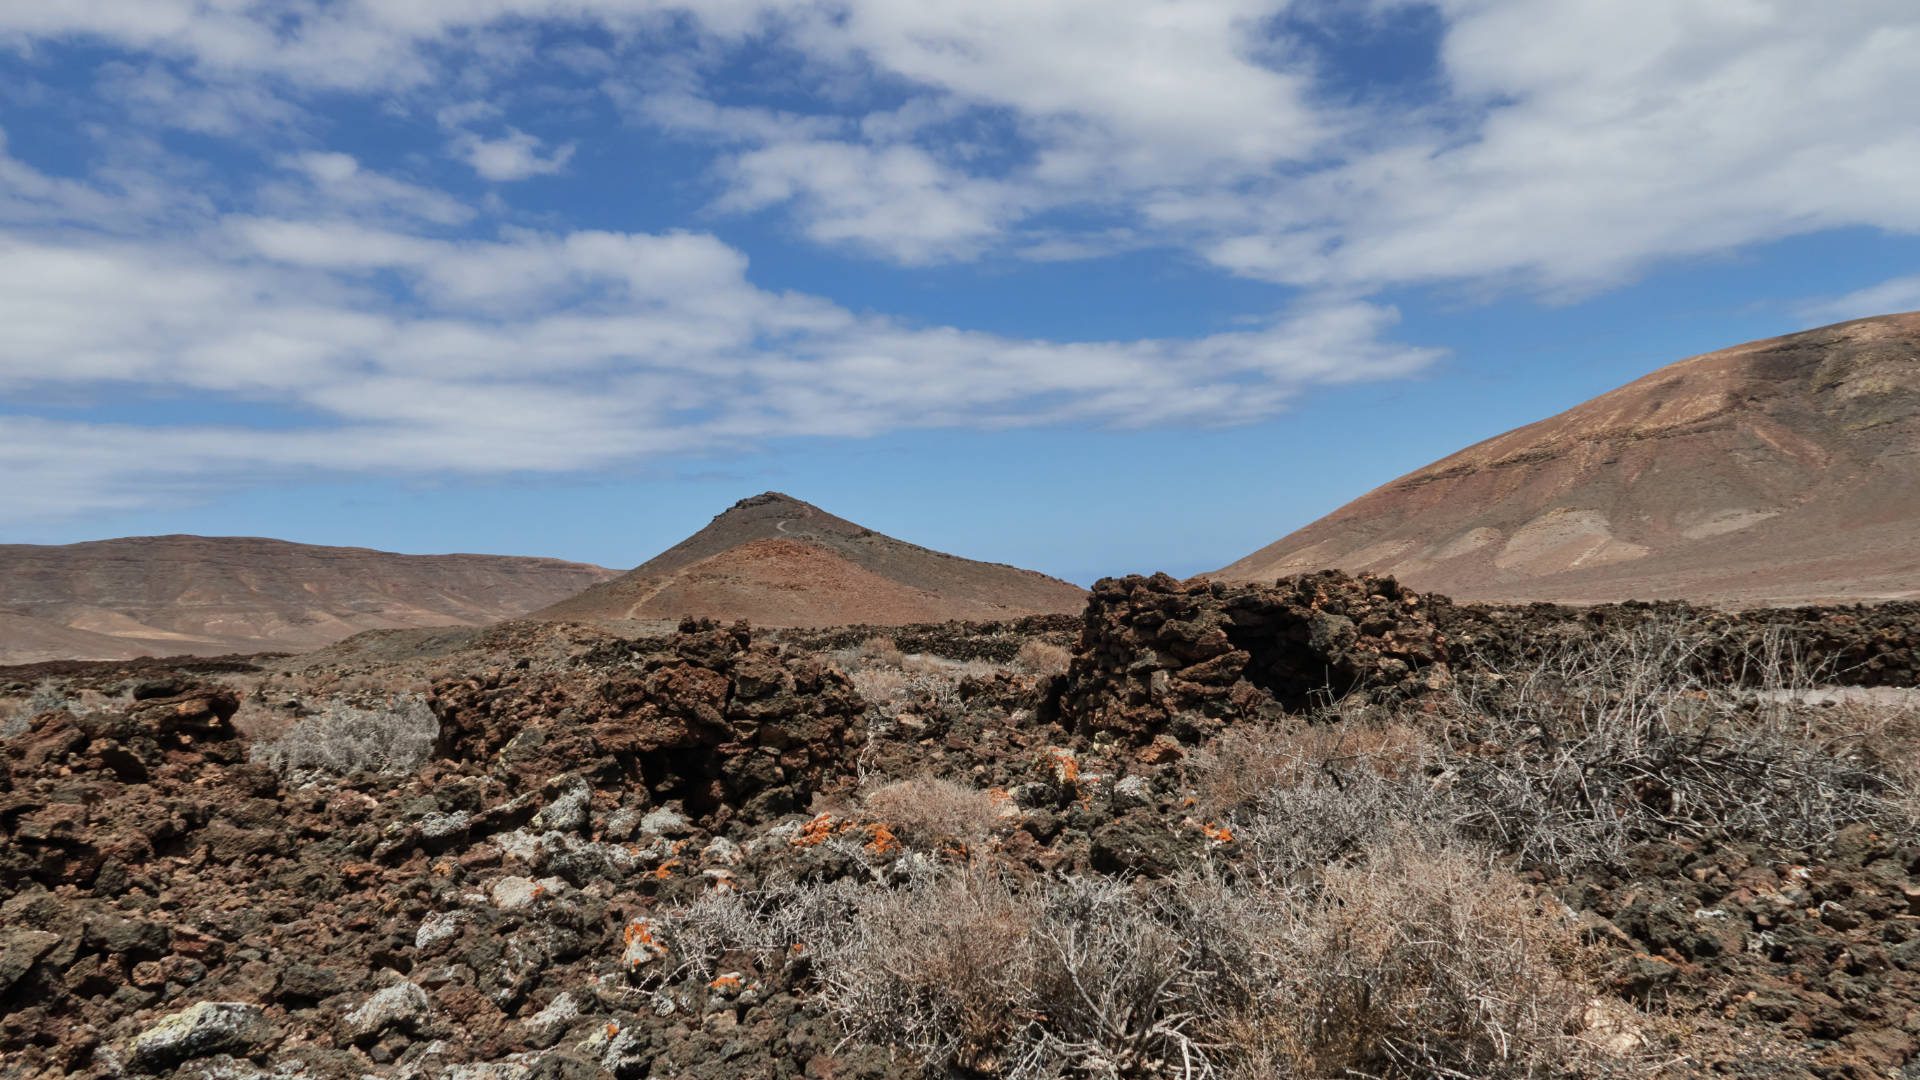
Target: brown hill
(166, 595)
(777, 561)
(1779, 471)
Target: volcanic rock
(1162, 656)
(778, 561)
(1780, 471)
(205, 595)
(200, 1030)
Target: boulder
(210, 1027)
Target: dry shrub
(1406, 961)
(934, 809)
(1043, 657)
(1242, 768)
(1613, 741)
(880, 650)
(49, 696)
(1072, 976)
(344, 739)
(880, 686)
(1411, 961)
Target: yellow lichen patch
(728, 981)
(664, 870)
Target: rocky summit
(1326, 826)
(782, 562)
(1780, 471)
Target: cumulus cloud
(514, 156)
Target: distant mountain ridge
(161, 595)
(1778, 471)
(777, 561)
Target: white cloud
(1574, 144)
(638, 345)
(514, 156)
(338, 182)
(1621, 134)
(1566, 147)
(896, 200)
(156, 97)
(1897, 294)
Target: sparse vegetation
(1401, 960)
(1366, 925)
(1621, 738)
(343, 739)
(1618, 853)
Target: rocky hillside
(782, 562)
(1327, 827)
(1773, 472)
(168, 595)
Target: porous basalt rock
(1158, 655)
(715, 722)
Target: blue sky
(1089, 286)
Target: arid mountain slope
(1778, 471)
(778, 561)
(168, 595)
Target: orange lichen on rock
(882, 840)
(815, 832)
(1063, 763)
(642, 947)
